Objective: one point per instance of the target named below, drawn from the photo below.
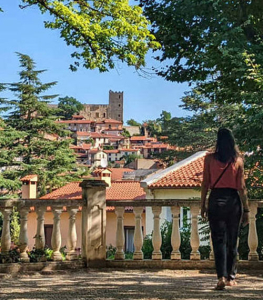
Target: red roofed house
(180, 181)
(118, 190)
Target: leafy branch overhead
(101, 32)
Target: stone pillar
(119, 211)
(157, 238)
(138, 238)
(176, 237)
(72, 234)
(211, 255)
(194, 241)
(252, 234)
(94, 222)
(23, 238)
(56, 234)
(40, 235)
(6, 237)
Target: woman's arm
(205, 185)
(243, 191)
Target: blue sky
(23, 31)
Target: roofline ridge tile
(159, 175)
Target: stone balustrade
(93, 223)
(40, 207)
(156, 205)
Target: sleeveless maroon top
(230, 178)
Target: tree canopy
(132, 122)
(101, 32)
(68, 106)
(31, 142)
(217, 47)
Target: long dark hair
(226, 148)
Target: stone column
(138, 238)
(56, 234)
(94, 222)
(119, 211)
(176, 237)
(211, 255)
(252, 234)
(40, 235)
(23, 238)
(6, 237)
(157, 238)
(194, 241)
(72, 234)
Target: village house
(117, 190)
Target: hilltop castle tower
(115, 109)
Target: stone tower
(115, 109)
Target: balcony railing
(93, 223)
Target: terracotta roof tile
(117, 173)
(187, 176)
(29, 177)
(119, 190)
(125, 190)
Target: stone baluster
(157, 238)
(119, 233)
(194, 241)
(211, 255)
(175, 238)
(56, 234)
(72, 235)
(252, 234)
(6, 237)
(23, 238)
(138, 238)
(40, 235)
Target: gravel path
(127, 284)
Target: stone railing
(40, 207)
(175, 205)
(93, 226)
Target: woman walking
(228, 204)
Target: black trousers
(224, 214)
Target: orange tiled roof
(138, 138)
(128, 150)
(111, 151)
(111, 121)
(75, 121)
(187, 176)
(152, 145)
(28, 177)
(117, 173)
(119, 190)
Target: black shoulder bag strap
(221, 175)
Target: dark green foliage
(147, 247)
(27, 142)
(69, 106)
(107, 147)
(132, 122)
(185, 247)
(110, 252)
(125, 133)
(166, 232)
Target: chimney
(106, 176)
(29, 187)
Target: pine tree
(31, 142)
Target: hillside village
(102, 140)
